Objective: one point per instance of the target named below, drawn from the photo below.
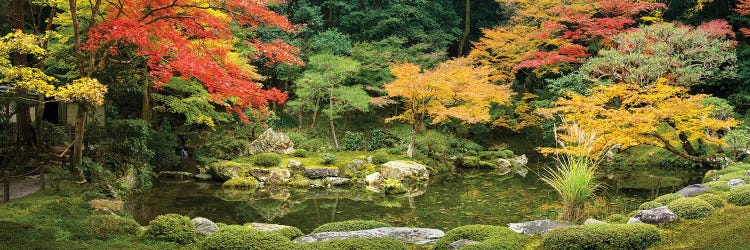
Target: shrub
(313, 145)
(105, 227)
(489, 237)
(164, 143)
(712, 199)
(602, 236)
(691, 208)
(617, 218)
(649, 205)
(296, 138)
(301, 153)
(241, 182)
(667, 198)
(720, 186)
(267, 159)
(380, 157)
(350, 225)
(380, 139)
(171, 227)
(354, 243)
(242, 237)
(353, 141)
(328, 158)
(739, 196)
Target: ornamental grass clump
(577, 159)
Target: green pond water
(447, 202)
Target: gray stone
(693, 190)
(374, 179)
(417, 236)
(204, 226)
(295, 165)
(315, 173)
(337, 181)
(735, 182)
(503, 166)
(204, 177)
(358, 163)
(404, 170)
(522, 171)
(317, 183)
(265, 227)
(461, 243)
(748, 173)
(537, 226)
(522, 160)
(593, 221)
(634, 220)
(272, 175)
(656, 216)
(273, 142)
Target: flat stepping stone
(419, 236)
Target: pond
(447, 202)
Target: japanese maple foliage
(743, 8)
(192, 39)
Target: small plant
(691, 208)
(241, 183)
(267, 159)
(301, 153)
(328, 158)
(739, 196)
(393, 186)
(171, 227)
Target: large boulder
(693, 190)
(225, 170)
(402, 170)
(272, 175)
(735, 182)
(316, 173)
(417, 236)
(204, 226)
(271, 142)
(536, 226)
(656, 216)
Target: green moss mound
(712, 199)
(267, 159)
(667, 198)
(603, 236)
(288, 232)
(739, 196)
(225, 170)
(649, 205)
(171, 227)
(356, 244)
(691, 208)
(301, 153)
(236, 237)
(241, 183)
(18, 235)
(718, 186)
(380, 157)
(350, 225)
(616, 218)
(105, 227)
(488, 237)
(724, 230)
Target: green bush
(691, 208)
(712, 199)
(267, 159)
(350, 225)
(739, 196)
(357, 244)
(313, 145)
(171, 227)
(506, 153)
(649, 205)
(164, 145)
(220, 145)
(105, 227)
(301, 153)
(720, 186)
(353, 141)
(242, 237)
(494, 155)
(328, 158)
(602, 236)
(380, 157)
(380, 139)
(489, 237)
(296, 138)
(241, 183)
(667, 198)
(617, 218)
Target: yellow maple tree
(454, 90)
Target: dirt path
(21, 186)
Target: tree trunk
(467, 27)
(80, 130)
(76, 35)
(330, 119)
(25, 136)
(410, 149)
(147, 109)
(38, 125)
(686, 144)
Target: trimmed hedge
(691, 208)
(237, 237)
(350, 225)
(356, 244)
(739, 196)
(171, 227)
(488, 237)
(667, 198)
(105, 227)
(712, 199)
(602, 236)
(267, 159)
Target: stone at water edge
(337, 181)
(693, 190)
(204, 226)
(272, 142)
(417, 236)
(537, 226)
(204, 177)
(374, 179)
(593, 221)
(265, 227)
(503, 166)
(655, 216)
(461, 243)
(404, 169)
(295, 165)
(271, 175)
(315, 173)
(735, 182)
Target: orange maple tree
(743, 8)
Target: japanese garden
(375, 124)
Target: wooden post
(6, 184)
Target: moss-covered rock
(667, 198)
(225, 170)
(287, 231)
(691, 208)
(363, 244)
(105, 227)
(603, 236)
(712, 199)
(171, 227)
(241, 183)
(739, 196)
(649, 205)
(236, 237)
(350, 225)
(487, 237)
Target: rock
(204, 226)
(634, 220)
(315, 173)
(225, 170)
(337, 181)
(374, 179)
(522, 160)
(272, 142)
(522, 171)
(503, 166)
(204, 177)
(295, 165)
(656, 216)
(265, 227)
(461, 243)
(317, 183)
(748, 173)
(369, 159)
(593, 221)
(693, 190)
(358, 163)
(272, 175)
(104, 206)
(537, 226)
(735, 182)
(419, 236)
(401, 170)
